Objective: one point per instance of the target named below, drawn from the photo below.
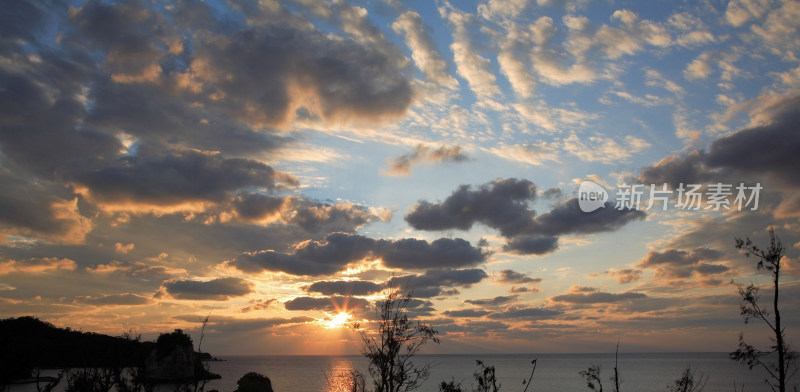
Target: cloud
(682, 264)
(226, 324)
(176, 178)
(220, 289)
(437, 282)
(511, 276)
(259, 304)
(125, 299)
(496, 301)
(675, 170)
(340, 249)
(625, 275)
(411, 253)
(567, 218)
(352, 287)
(597, 297)
(138, 270)
(740, 12)
(401, 165)
(36, 210)
(330, 303)
(604, 149)
(531, 245)
(121, 248)
(535, 154)
(466, 313)
(301, 68)
(310, 215)
(699, 68)
(470, 65)
(743, 151)
(529, 313)
(501, 204)
(37, 265)
(423, 49)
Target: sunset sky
(279, 164)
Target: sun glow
(339, 320)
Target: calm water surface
(554, 372)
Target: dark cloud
(310, 215)
(435, 282)
(37, 209)
(352, 287)
(115, 299)
(679, 257)
(597, 297)
(502, 204)
(401, 165)
(255, 206)
(531, 245)
(127, 33)
(315, 216)
(138, 270)
(766, 149)
(553, 193)
(411, 253)
(526, 313)
(335, 303)
(770, 148)
(466, 313)
(340, 249)
(675, 170)
(220, 289)
(165, 116)
(567, 218)
(496, 301)
(682, 264)
(266, 63)
(511, 276)
(178, 177)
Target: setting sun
(336, 321)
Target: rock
(254, 382)
(178, 363)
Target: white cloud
(699, 68)
(654, 78)
(740, 12)
(471, 66)
(423, 50)
(552, 119)
(604, 149)
(535, 154)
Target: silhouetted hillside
(27, 343)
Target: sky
(278, 165)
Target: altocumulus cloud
(220, 289)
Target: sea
(553, 373)
(639, 372)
